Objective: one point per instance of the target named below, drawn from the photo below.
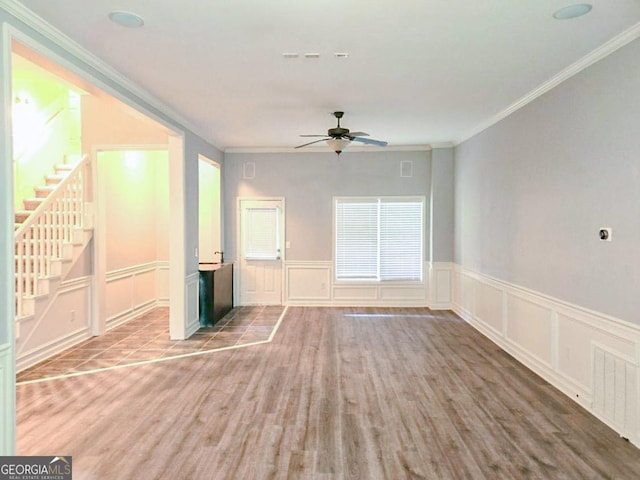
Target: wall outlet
(73, 316)
(287, 245)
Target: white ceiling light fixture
(126, 19)
(572, 11)
(338, 144)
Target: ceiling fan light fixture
(338, 144)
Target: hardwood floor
(355, 393)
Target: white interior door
(261, 235)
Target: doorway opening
(210, 248)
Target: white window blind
(379, 238)
(261, 234)
(356, 239)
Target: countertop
(210, 267)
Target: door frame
(7, 263)
(98, 320)
(238, 275)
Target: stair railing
(41, 239)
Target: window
(379, 239)
(261, 233)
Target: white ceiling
(419, 71)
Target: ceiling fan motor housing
(338, 132)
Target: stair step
(44, 191)
(32, 203)
(54, 179)
(64, 167)
(21, 216)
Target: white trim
(562, 333)
(592, 57)
(390, 148)
(127, 272)
(7, 251)
(177, 239)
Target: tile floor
(147, 338)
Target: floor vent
(615, 391)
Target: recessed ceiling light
(572, 11)
(126, 19)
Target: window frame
(377, 198)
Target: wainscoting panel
(192, 307)
(133, 291)
(440, 285)
(489, 301)
(308, 282)
(144, 292)
(405, 292)
(65, 323)
(529, 327)
(355, 293)
(591, 357)
(162, 283)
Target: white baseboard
(557, 341)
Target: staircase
(50, 234)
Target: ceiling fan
(339, 138)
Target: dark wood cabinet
(216, 292)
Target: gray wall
(309, 181)
(442, 198)
(532, 191)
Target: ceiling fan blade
(314, 135)
(370, 141)
(311, 143)
(358, 134)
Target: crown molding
(30, 19)
(392, 148)
(596, 55)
